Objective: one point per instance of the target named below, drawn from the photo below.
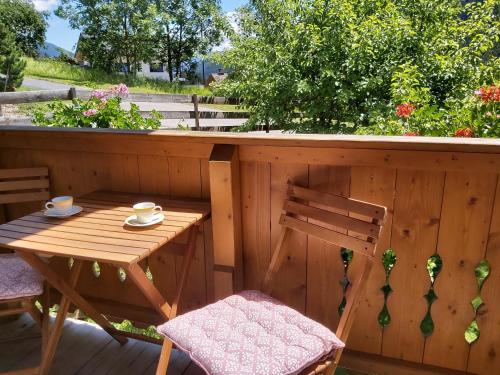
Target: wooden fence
(443, 197)
(72, 93)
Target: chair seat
(17, 278)
(250, 333)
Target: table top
(98, 233)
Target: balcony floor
(86, 349)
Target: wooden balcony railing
(443, 197)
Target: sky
(63, 36)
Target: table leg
(64, 305)
(66, 290)
(186, 263)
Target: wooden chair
(20, 285)
(345, 222)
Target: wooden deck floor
(86, 349)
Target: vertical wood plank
(207, 234)
(324, 265)
(185, 181)
(256, 221)
(463, 232)
(417, 211)
(290, 282)
(226, 214)
(484, 357)
(374, 185)
(153, 174)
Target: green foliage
(346, 256)
(102, 110)
(119, 33)
(127, 326)
(187, 28)
(342, 66)
(95, 78)
(114, 33)
(388, 261)
(434, 266)
(472, 332)
(11, 62)
(482, 271)
(25, 22)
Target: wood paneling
(463, 233)
(484, 357)
(374, 185)
(442, 195)
(415, 228)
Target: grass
(96, 79)
(223, 107)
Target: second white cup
(145, 211)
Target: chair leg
(331, 370)
(166, 350)
(45, 317)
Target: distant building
(216, 77)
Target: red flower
(489, 94)
(404, 110)
(464, 133)
(411, 134)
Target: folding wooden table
(98, 234)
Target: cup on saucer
(145, 212)
(60, 205)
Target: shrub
(102, 110)
(344, 65)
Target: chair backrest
(24, 185)
(341, 221)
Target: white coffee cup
(60, 205)
(145, 211)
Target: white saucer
(132, 221)
(52, 213)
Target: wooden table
(98, 234)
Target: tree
(188, 28)
(337, 65)
(11, 63)
(25, 22)
(115, 33)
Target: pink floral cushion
(250, 333)
(17, 278)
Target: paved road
(41, 84)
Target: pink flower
(405, 110)
(90, 112)
(119, 89)
(488, 94)
(98, 94)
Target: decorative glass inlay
(482, 272)
(389, 261)
(434, 266)
(346, 256)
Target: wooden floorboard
(85, 349)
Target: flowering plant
(102, 110)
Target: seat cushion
(250, 333)
(17, 278)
